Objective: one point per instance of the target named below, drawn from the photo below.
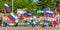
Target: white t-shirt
(5, 19)
(16, 19)
(31, 18)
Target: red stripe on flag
(11, 19)
(46, 15)
(7, 10)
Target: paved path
(29, 28)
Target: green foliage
(30, 5)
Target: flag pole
(12, 6)
(4, 12)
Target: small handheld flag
(55, 8)
(6, 8)
(12, 17)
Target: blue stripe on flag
(12, 17)
(6, 7)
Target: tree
(31, 6)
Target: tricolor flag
(6, 8)
(27, 15)
(12, 17)
(48, 14)
(55, 8)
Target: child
(5, 21)
(26, 22)
(16, 21)
(38, 20)
(21, 18)
(55, 22)
(32, 20)
(45, 23)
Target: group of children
(33, 21)
(29, 20)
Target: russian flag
(55, 8)
(49, 12)
(12, 17)
(27, 15)
(6, 8)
